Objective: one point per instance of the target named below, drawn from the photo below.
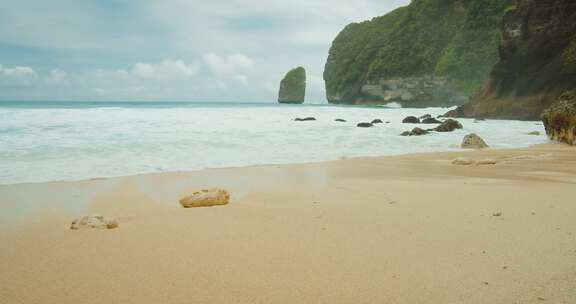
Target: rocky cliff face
(293, 87)
(432, 52)
(537, 62)
(560, 119)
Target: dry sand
(407, 229)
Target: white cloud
(58, 77)
(228, 65)
(167, 69)
(18, 72)
(17, 76)
(244, 46)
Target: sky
(169, 50)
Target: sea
(68, 141)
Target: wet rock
(473, 141)
(431, 120)
(340, 120)
(365, 125)
(411, 119)
(560, 119)
(425, 116)
(206, 198)
(448, 125)
(305, 119)
(377, 121)
(94, 222)
(415, 132)
(534, 133)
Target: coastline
(397, 229)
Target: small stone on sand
(463, 161)
(206, 198)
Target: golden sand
(405, 229)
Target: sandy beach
(403, 229)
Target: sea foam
(75, 142)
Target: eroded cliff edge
(429, 53)
(537, 62)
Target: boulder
(411, 119)
(305, 119)
(377, 121)
(560, 119)
(293, 87)
(534, 133)
(431, 120)
(448, 125)
(463, 161)
(425, 116)
(473, 141)
(94, 222)
(340, 120)
(415, 132)
(365, 125)
(206, 198)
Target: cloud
(228, 65)
(58, 77)
(17, 76)
(171, 49)
(165, 70)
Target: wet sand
(403, 229)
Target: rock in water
(365, 125)
(415, 132)
(305, 119)
(206, 198)
(340, 120)
(411, 119)
(94, 222)
(431, 120)
(293, 87)
(449, 125)
(473, 141)
(377, 121)
(560, 119)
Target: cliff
(537, 62)
(560, 119)
(429, 53)
(293, 87)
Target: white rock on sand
(473, 141)
(463, 161)
(206, 198)
(94, 222)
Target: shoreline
(397, 229)
(100, 178)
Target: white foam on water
(49, 144)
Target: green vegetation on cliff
(293, 86)
(453, 39)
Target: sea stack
(293, 87)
